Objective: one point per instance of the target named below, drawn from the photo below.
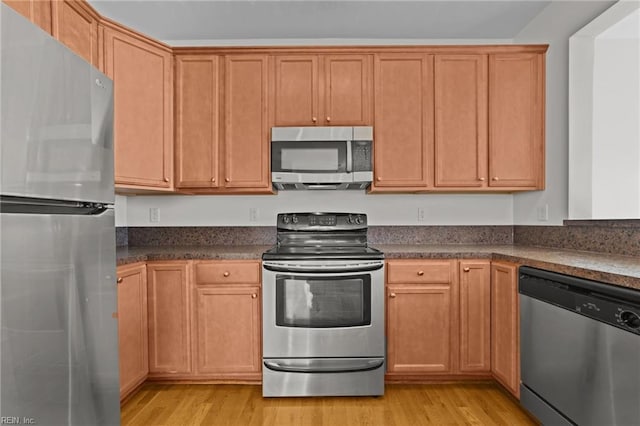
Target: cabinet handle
(166, 179)
(392, 295)
(466, 269)
(227, 179)
(495, 178)
(253, 296)
(421, 273)
(314, 119)
(328, 119)
(481, 179)
(119, 280)
(226, 273)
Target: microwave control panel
(362, 158)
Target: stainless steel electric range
(323, 308)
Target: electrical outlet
(543, 213)
(422, 213)
(253, 214)
(154, 215)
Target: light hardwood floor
(402, 404)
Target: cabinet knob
(226, 273)
(378, 178)
(227, 179)
(495, 178)
(328, 119)
(119, 280)
(466, 269)
(421, 273)
(392, 295)
(314, 119)
(213, 179)
(166, 179)
(253, 296)
(481, 179)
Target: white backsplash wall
(121, 210)
(400, 209)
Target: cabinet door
(460, 121)
(169, 318)
(197, 121)
(505, 340)
(142, 75)
(404, 122)
(246, 140)
(296, 90)
(228, 330)
(37, 11)
(419, 329)
(347, 90)
(75, 25)
(132, 327)
(475, 316)
(516, 120)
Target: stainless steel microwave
(321, 157)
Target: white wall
(554, 25)
(121, 210)
(234, 210)
(605, 122)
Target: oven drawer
(227, 272)
(420, 271)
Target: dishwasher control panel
(617, 306)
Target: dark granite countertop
(608, 268)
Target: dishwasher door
(576, 369)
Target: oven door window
(309, 157)
(326, 302)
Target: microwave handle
(349, 157)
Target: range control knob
(358, 220)
(294, 219)
(285, 219)
(630, 319)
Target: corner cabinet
(142, 72)
(132, 327)
(325, 90)
(246, 127)
(505, 326)
(403, 147)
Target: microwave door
(309, 157)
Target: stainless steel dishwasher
(580, 350)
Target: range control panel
(321, 221)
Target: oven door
(323, 309)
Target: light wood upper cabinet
(37, 11)
(132, 327)
(475, 316)
(505, 320)
(516, 120)
(169, 306)
(460, 121)
(246, 127)
(142, 72)
(324, 90)
(422, 319)
(403, 146)
(75, 24)
(228, 330)
(197, 121)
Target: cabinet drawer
(419, 271)
(228, 272)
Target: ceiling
(180, 20)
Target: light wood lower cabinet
(132, 327)
(475, 316)
(227, 320)
(422, 317)
(169, 305)
(505, 322)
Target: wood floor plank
(402, 404)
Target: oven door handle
(318, 269)
(324, 365)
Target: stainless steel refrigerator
(59, 338)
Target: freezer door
(56, 119)
(59, 332)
